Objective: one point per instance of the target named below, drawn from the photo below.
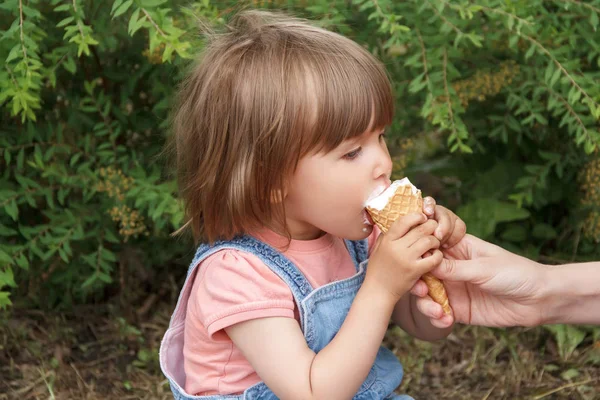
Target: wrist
(549, 299)
(572, 294)
(381, 297)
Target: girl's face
(328, 192)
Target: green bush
(497, 102)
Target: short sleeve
(234, 286)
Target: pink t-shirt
(233, 286)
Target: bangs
(346, 97)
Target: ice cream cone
(399, 199)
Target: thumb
(463, 270)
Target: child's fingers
(404, 224)
(426, 243)
(425, 229)
(428, 263)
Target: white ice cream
(378, 200)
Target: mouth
(367, 220)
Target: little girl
(279, 137)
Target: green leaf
(544, 231)
(15, 52)
(4, 300)
(65, 21)
(123, 8)
(5, 258)
(7, 278)
(116, 5)
(515, 233)
(89, 281)
(12, 209)
(63, 7)
(567, 338)
(23, 262)
(6, 231)
(594, 20)
(482, 215)
(570, 374)
(152, 3)
(134, 22)
(69, 65)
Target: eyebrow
(356, 139)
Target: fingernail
(438, 234)
(445, 245)
(429, 210)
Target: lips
(369, 218)
(378, 190)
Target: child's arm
(277, 350)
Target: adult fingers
(429, 308)
(428, 263)
(478, 270)
(419, 289)
(445, 221)
(429, 206)
(458, 232)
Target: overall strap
(358, 250)
(275, 260)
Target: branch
(451, 114)
(560, 66)
(22, 35)
(571, 111)
(444, 19)
(78, 20)
(580, 4)
(502, 12)
(154, 23)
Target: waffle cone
(403, 202)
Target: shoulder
(232, 286)
(235, 268)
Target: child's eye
(353, 154)
(382, 135)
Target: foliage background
(497, 117)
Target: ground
(110, 352)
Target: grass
(108, 351)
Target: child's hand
(396, 262)
(451, 228)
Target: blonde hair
(269, 90)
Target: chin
(359, 234)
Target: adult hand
(490, 286)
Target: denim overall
(322, 312)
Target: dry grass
(92, 353)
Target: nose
(383, 164)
